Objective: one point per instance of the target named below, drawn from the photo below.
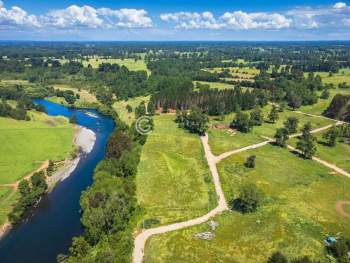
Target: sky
(174, 20)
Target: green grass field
(222, 140)
(342, 76)
(26, 145)
(323, 104)
(173, 179)
(124, 115)
(86, 100)
(216, 85)
(298, 212)
(8, 197)
(131, 64)
(338, 155)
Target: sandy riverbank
(84, 140)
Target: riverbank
(84, 141)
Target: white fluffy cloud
(299, 18)
(73, 16)
(16, 17)
(76, 17)
(188, 20)
(129, 18)
(242, 20)
(234, 20)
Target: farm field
(222, 140)
(295, 217)
(173, 180)
(216, 85)
(342, 76)
(26, 145)
(131, 64)
(124, 115)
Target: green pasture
(173, 180)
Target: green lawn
(342, 76)
(120, 108)
(26, 145)
(223, 140)
(298, 212)
(173, 179)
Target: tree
(294, 101)
(257, 117)
(281, 137)
(38, 181)
(118, 142)
(306, 143)
(242, 122)
(249, 199)
(277, 257)
(50, 168)
(250, 162)
(195, 121)
(291, 125)
(282, 106)
(24, 187)
(151, 109)
(273, 116)
(304, 259)
(73, 119)
(325, 94)
(331, 136)
(140, 110)
(128, 108)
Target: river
(56, 220)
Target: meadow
(173, 180)
(223, 140)
(297, 213)
(25, 145)
(124, 115)
(131, 64)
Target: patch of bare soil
(340, 208)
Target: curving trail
(141, 239)
(340, 208)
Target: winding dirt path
(141, 239)
(340, 208)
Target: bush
(249, 199)
(250, 163)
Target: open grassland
(338, 155)
(8, 197)
(342, 76)
(238, 73)
(216, 85)
(173, 179)
(297, 214)
(225, 139)
(14, 82)
(323, 104)
(86, 99)
(25, 145)
(131, 64)
(124, 115)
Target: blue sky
(174, 20)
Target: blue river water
(56, 220)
